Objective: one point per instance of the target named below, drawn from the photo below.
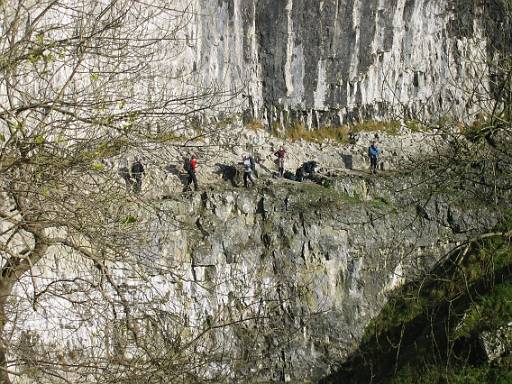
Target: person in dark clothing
(307, 169)
(191, 170)
(137, 170)
(373, 153)
(253, 165)
(280, 154)
(124, 172)
(248, 164)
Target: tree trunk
(4, 376)
(13, 269)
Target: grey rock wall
(332, 61)
(272, 284)
(299, 269)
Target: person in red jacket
(191, 169)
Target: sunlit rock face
(333, 61)
(276, 283)
(299, 271)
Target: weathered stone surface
(332, 61)
(318, 262)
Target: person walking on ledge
(124, 172)
(248, 164)
(191, 170)
(137, 171)
(373, 153)
(280, 154)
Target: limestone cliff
(273, 284)
(299, 270)
(277, 283)
(332, 61)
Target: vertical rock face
(323, 62)
(275, 284)
(298, 271)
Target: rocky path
(218, 160)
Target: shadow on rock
(229, 173)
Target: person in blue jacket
(373, 153)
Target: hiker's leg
(194, 180)
(128, 182)
(138, 183)
(134, 184)
(374, 164)
(189, 181)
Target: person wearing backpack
(373, 153)
(191, 168)
(280, 154)
(253, 165)
(124, 172)
(137, 170)
(248, 164)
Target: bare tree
(80, 82)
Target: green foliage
(327, 183)
(307, 196)
(98, 167)
(103, 150)
(487, 312)
(275, 129)
(380, 202)
(39, 140)
(476, 130)
(165, 137)
(416, 126)
(129, 219)
(434, 374)
(40, 38)
(389, 127)
(225, 122)
(400, 309)
(428, 329)
(34, 58)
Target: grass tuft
(339, 134)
